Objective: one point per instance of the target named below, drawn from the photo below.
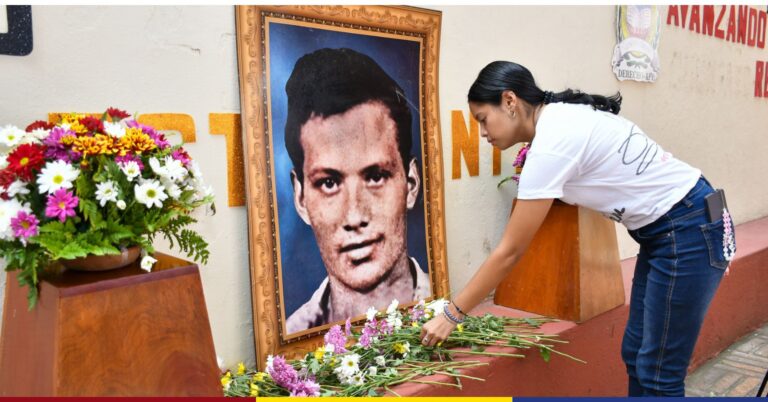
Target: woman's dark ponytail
(500, 76)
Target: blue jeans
(678, 270)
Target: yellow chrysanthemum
(460, 327)
(73, 120)
(399, 348)
(226, 379)
(137, 141)
(415, 324)
(240, 368)
(319, 353)
(67, 140)
(254, 390)
(259, 377)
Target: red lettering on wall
(761, 29)
(752, 27)
(742, 30)
(731, 33)
(759, 79)
(765, 80)
(719, 33)
(695, 23)
(672, 12)
(708, 20)
(684, 12)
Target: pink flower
(336, 338)
(24, 225)
(305, 388)
(365, 340)
(61, 204)
(348, 328)
(283, 373)
(182, 156)
(520, 159)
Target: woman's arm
(526, 219)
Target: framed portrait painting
(343, 165)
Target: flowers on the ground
(384, 356)
(81, 186)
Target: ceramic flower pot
(104, 262)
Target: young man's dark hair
(332, 81)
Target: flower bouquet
(94, 186)
(385, 351)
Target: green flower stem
(469, 352)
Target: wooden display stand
(570, 271)
(124, 332)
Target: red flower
(92, 124)
(6, 178)
(117, 114)
(26, 160)
(39, 124)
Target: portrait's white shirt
(311, 314)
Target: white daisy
(40, 134)
(116, 130)
(194, 169)
(392, 306)
(380, 360)
(3, 161)
(395, 321)
(17, 187)
(130, 169)
(349, 365)
(8, 210)
(121, 205)
(106, 192)
(371, 313)
(147, 262)
(56, 175)
(357, 379)
(171, 188)
(171, 169)
(11, 136)
(150, 193)
(372, 371)
(437, 305)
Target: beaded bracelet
(457, 308)
(451, 316)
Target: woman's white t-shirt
(603, 162)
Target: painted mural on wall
(636, 56)
(16, 39)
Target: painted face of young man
(355, 193)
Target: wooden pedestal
(124, 332)
(571, 270)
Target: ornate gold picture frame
(317, 211)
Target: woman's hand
(436, 330)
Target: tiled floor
(736, 371)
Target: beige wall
(183, 60)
